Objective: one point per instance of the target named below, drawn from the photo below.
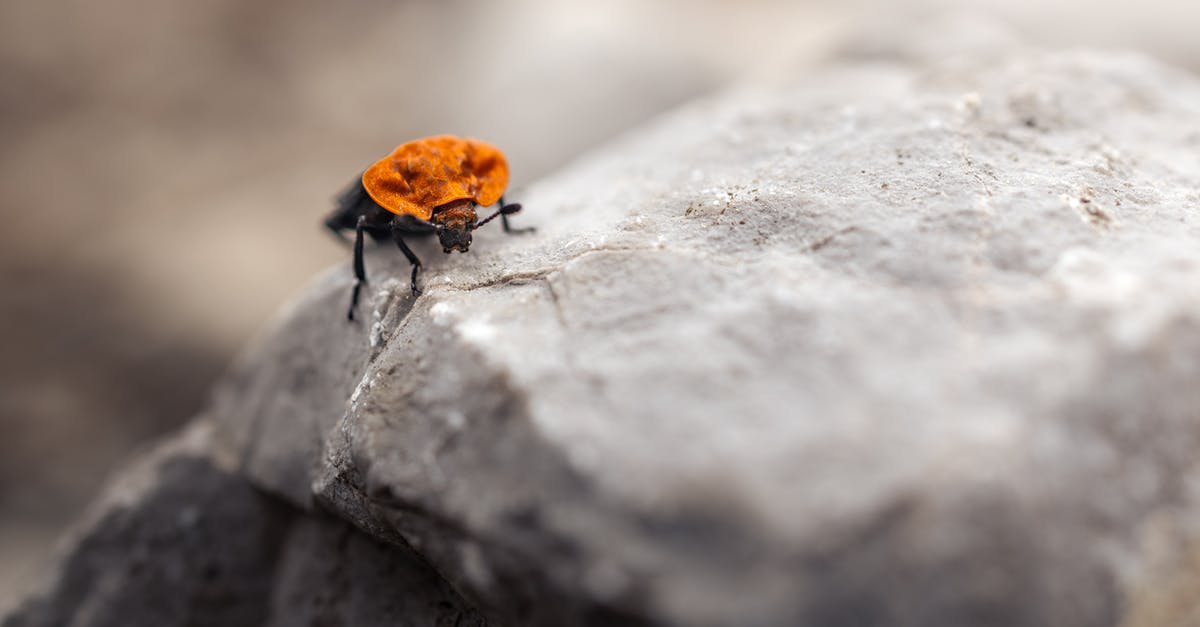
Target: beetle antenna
(504, 210)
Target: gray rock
(177, 540)
(888, 345)
(331, 574)
(173, 541)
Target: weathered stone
(891, 345)
(177, 540)
(303, 390)
(332, 574)
(174, 541)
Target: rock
(895, 344)
(330, 574)
(886, 345)
(177, 540)
(173, 541)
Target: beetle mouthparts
(455, 239)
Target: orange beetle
(426, 186)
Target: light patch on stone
(442, 313)
(474, 565)
(1091, 281)
(376, 334)
(477, 330)
(358, 391)
(970, 102)
(456, 419)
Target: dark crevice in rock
(200, 546)
(200, 549)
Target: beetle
(427, 186)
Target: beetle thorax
(457, 220)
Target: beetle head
(455, 222)
(455, 236)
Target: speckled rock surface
(178, 540)
(883, 345)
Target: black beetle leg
(360, 271)
(504, 213)
(412, 258)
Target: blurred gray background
(165, 165)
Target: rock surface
(887, 345)
(177, 540)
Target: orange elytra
(425, 186)
(427, 173)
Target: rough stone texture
(176, 540)
(330, 574)
(886, 345)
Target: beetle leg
(503, 212)
(507, 210)
(412, 258)
(510, 230)
(360, 271)
(413, 223)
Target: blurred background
(164, 165)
